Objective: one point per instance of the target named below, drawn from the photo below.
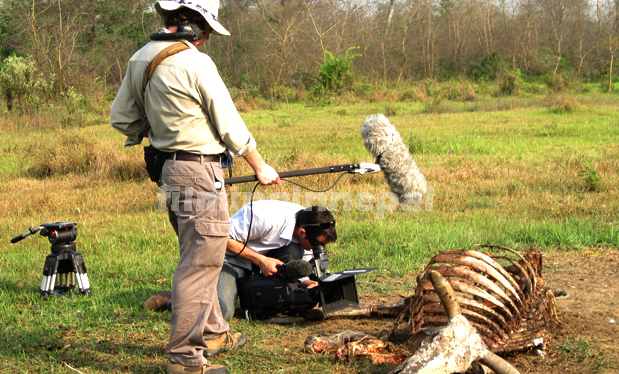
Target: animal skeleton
(487, 308)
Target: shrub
(432, 87)
(334, 72)
(283, 93)
(589, 175)
(460, 90)
(507, 85)
(364, 90)
(410, 95)
(75, 105)
(320, 96)
(242, 106)
(434, 106)
(563, 104)
(555, 82)
(488, 69)
(510, 82)
(74, 101)
(18, 81)
(342, 112)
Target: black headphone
(187, 31)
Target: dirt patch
(587, 341)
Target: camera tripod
(64, 268)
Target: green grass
(504, 171)
(580, 351)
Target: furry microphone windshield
(295, 269)
(402, 174)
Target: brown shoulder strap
(167, 52)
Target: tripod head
(61, 235)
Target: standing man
(186, 110)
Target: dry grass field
(518, 172)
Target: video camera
(264, 297)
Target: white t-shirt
(271, 228)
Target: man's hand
(265, 173)
(308, 283)
(268, 265)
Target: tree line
(283, 44)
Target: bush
(510, 82)
(488, 69)
(434, 106)
(18, 81)
(555, 82)
(410, 95)
(320, 96)
(589, 175)
(390, 110)
(460, 90)
(334, 73)
(432, 87)
(364, 90)
(283, 93)
(563, 104)
(74, 101)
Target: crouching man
(280, 232)
(276, 232)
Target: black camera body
(264, 297)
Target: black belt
(186, 156)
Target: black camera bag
(155, 159)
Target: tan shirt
(186, 102)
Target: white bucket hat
(207, 8)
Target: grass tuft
(563, 104)
(73, 152)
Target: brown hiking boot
(207, 368)
(224, 343)
(158, 301)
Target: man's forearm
(234, 247)
(267, 265)
(255, 160)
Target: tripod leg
(49, 275)
(80, 273)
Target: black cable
(309, 189)
(251, 218)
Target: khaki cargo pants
(198, 213)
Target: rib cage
(501, 293)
